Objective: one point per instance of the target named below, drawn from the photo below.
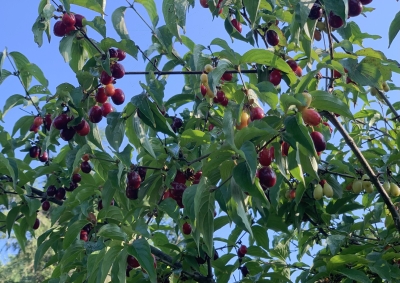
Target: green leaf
(326, 101)
(299, 132)
(334, 243)
(261, 236)
(141, 101)
(118, 20)
(354, 274)
(144, 141)
(66, 47)
(108, 260)
(199, 137)
(93, 5)
(171, 18)
(115, 130)
(151, 9)
(12, 101)
(33, 205)
(337, 261)
(4, 74)
(112, 231)
(12, 170)
(36, 72)
(140, 249)
(178, 100)
(252, 9)
(251, 158)
(266, 57)
(2, 58)
(237, 205)
(204, 205)
(20, 62)
(393, 29)
(42, 249)
(73, 232)
(232, 31)
(98, 24)
(11, 218)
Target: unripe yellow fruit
(386, 186)
(374, 91)
(208, 68)
(385, 87)
(210, 93)
(357, 186)
(328, 191)
(366, 184)
(394, 190)
(204, 79)
(308, 99)
(318, 192)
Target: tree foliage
(252, 153)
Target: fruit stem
(198, 159)
(383, 96)
(133, 8)
(368, 170)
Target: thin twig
(187, 72)
(148, 59)
(198, 159)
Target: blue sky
(201, 28)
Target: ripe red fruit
(84, 235)
(272, 37)
(105, 79)
(69, 29)
(95, 114)
(34, 129)
(59, 29)
(61, 121)
(51, 191)
(203, 90)
(106, 109)
(315, 12)
(76, 178)
(285, 148)
(85, 157)
(142, 173)
(225, 101)
(133, 179)
(336, 74)
(243, 249)
(266, 156)
(177, 192)
(204, 3)
(322, 182)
(85, 167)
(292, 194)
(46, 205)
(78, 20)
(34, 151)
(109, 90)
(167, 194)
(256, 113)
(220, 95)
(335, 21)
(117, 70)
(44, 156)
(83, 128)
(177, 123)
(132, 262)
(121, 55)
(198, 175)
(355, 8)
(101, 95)
(237, 25)
(113, 53)
(216, 255)
(299, 71)
(311, 117)
(244, 270)
(47, 121)
(293, 64)
(227, 76)
(317, 35)
(365, 2)
(67, 134)
(267, 177)
(38, 121)
(119, 97)
(68, 19)
(60, 194)
(180, 177)
(210, 127)
(275, 77)
(36, 224)
(186, 228)
(131, 193)
(319, 141)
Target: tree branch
(187, 72)
(364, 163)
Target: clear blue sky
(16, 35)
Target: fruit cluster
(355, 8)
(322, 189)
(69, 23)
(133, 181)
(275, 76)
(256, 113)
(206, 90)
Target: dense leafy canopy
(251, 152)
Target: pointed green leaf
(394, 28)
(151, 9)
(140, 249)
(73, 232)
(112, 231)
(323, 100)
(118, 20)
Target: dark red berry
(243, 249)
(84, 235)
(293, 64)
(132, 262)
(335, 21)
(225, 101)
(34, 151)
(60, 194)
(59, 29)
(106, 109)
(101, 95)
(95, 114)
(78, 20)
(180, 177)
(275, 77)
(355, 8)
(285, 148)
(61, 121)
(131, 193)
(85, 167)
(76, 178)
(256, 113)
(178, 123)
(36, 224)
(272, 37)
(119, 97)
(117, 70)
(227, 76)
(47, 121)
(133, 179)
(142, 173)
(83, 128)
(38, 121)
(315, 12)
(68, 19)
(319, 141)
(67, 134)
(113, 53)
(46, 205)
(121, 55)
(51, 191)
(267, 177)
(186, 228)
(106, 79)
(44, 156)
